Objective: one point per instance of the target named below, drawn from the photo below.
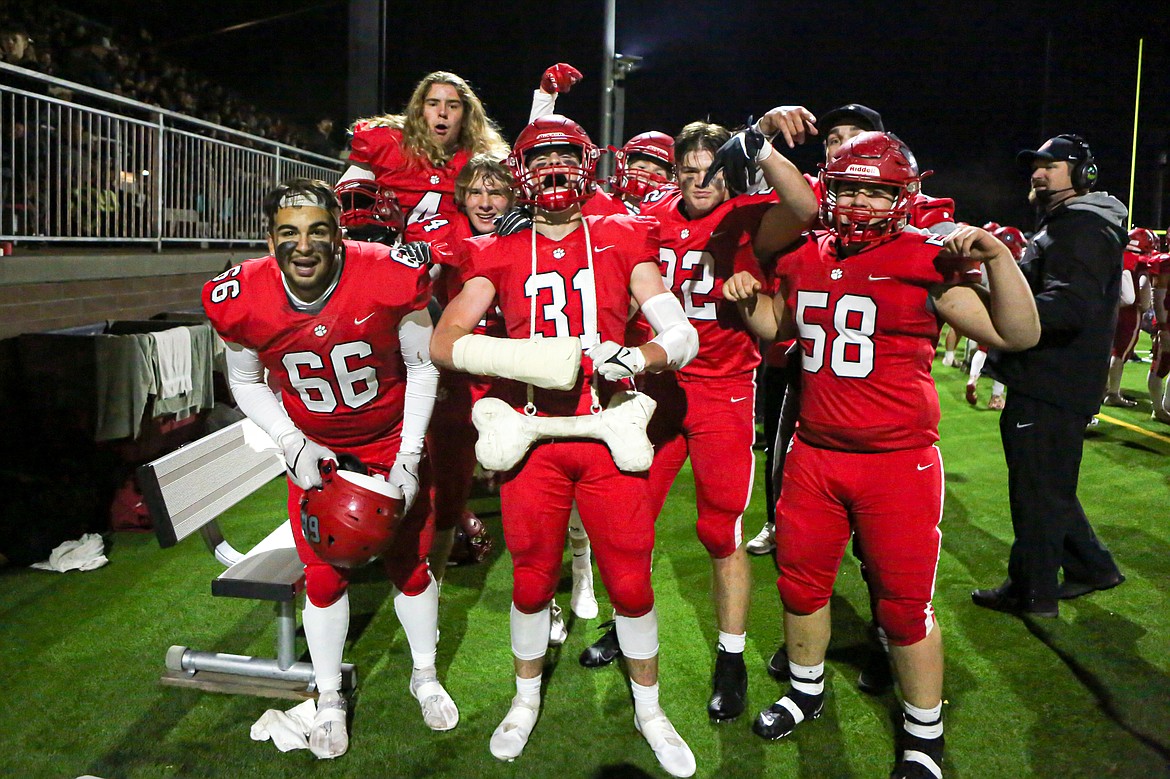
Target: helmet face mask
(351, 518)
(369, 212)
(653, 147)
(563, 183)
(870, 164)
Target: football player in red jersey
(564, 285)
(865, 298)
(706, 411)
(1136, 299)
(1160, 359)
(342, 329)
(483, 191)
(418, 154)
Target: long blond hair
(477, 135)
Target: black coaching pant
(1042, 444)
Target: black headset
(1084, 173)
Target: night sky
(964, 84)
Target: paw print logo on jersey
(685, 234)
(434, 179)
(320, 331)
(836, 273)
(558, 253)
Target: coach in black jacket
(1073, 265)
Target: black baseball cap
(1068, 148)
(855, 114)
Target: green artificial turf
(1087, 695)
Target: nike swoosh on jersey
(878, 278)
(737, 400)
(924, 467)
(357, 321)
(599, 249)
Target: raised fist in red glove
(560, 78)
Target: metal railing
(104, 168)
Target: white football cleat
(948, 359)
(511, 735)
(583, 602)
(329, 737)
(765, 540)
(672, 752)
(557, 632)
(438, 710)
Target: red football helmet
(869, 158)
(369, 212)
(1142, 241)
(653, 146)
(351, 518)
(554, 187)
(991, 227)
(472, 542)
(1013, 239)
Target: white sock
(923, 723)
(997, 389)
(528, 689)
(809, 679)
(645, 700)
(949, 354)
(419, 615)
(977, 361)
(732, 642)
(325, 632)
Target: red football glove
(560, 78)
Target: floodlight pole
(607, 93)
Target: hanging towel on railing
(174, 361)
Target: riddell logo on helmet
(863, 170)
(553, 136)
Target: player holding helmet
(564, 285)
(865, 298)
(342, 328)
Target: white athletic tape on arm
(551, 363)
(676, 335)
(505, 434)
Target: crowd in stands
(43, 37)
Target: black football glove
(513, 221)
(416, 254)
(737, 159)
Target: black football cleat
(604, 650)
(777, 721)
(728, 687)
(778, 664)
(876, 678)
(1003, 598)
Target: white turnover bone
(505, 434)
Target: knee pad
(906, 622)
(720, 533)
(631, 595)
(324, 584)
(410, 577)
(531, 590)
(800, 598)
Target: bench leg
(286, 634)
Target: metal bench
(186, 491)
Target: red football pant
(892, 501)
(713, 422)
(405, 562)
(1126, 333)
(451, 441)
(615, 510)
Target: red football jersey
(423, 190)
(925, 211)
(603, 203)
(446, 236)
(340, 371)
(569, 300)
(695, 257)
(868, 339)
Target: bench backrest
(188, 488)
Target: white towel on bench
(288, 729)
(84, 554)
